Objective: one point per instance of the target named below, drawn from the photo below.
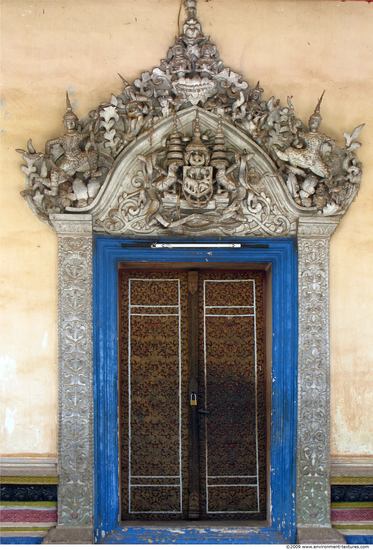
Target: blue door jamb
(281, 255)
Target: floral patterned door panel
(192, 395)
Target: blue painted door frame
(281, 255)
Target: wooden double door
(192, 395)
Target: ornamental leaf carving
(75, 375)
(313, 408)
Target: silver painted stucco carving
(318, 175)
(209, 179)
(191, 149)
(313, 474)
(75, 385)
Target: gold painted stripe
(352, 480)
(29, 480)
(351, 505)
(361, 526)
(39, 504)
(355, 533)
(9, 534)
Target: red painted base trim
(28, 516)
(349, 515)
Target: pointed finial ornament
(126, 84)
(197, 129)
(192, 31)
(68, 104)
(69, 110)
(197, 144)
(316, 116)
(191, 8)
(317, 110)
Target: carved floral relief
(75, 364)
(313, 388)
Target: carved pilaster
(75, 380)
(313, 472)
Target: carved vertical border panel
(75, 376)
(313, 469)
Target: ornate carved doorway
(191, 153)
(192, 395)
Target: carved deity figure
(68, 177)
(207, 64)
(309, 157)
(78, 155)
(155, 180)
(179, 64)
(197, 183)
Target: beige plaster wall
(296, 48)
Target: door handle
(203, 412)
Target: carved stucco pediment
(172, 182)
(128, 162)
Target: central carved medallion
(199, 177)
(197, 185)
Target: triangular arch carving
(308, 173)
(151, 188)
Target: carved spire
(192, 32)
(219, 150)
(197, 129)
(175, 149)
(68, 104)
(197, 145)
(317, 110)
